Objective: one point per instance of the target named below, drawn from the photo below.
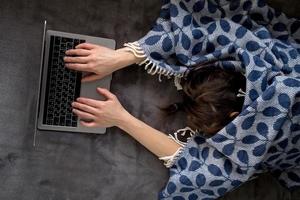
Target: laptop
(60, 86)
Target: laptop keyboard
(63, 84)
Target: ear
(234, 114)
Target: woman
(247, 37)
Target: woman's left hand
(96, 113)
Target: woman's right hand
(97, 60)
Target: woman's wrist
(128, 123)
(126, 58)
(125, 119)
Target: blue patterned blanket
(245, 36)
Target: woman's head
(210, 98)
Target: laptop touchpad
(88, 89)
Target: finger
(81, 60)
(78, 52)
(106, 93)
(88, 124)
(90, 102)
(92, 77)
(77, 66)
(84, 107)
(82, 114)
(87, 46)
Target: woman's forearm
(126, 58)
(154, 140)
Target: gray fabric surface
(86, 166)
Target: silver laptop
(60, 86)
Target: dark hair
(210, 96)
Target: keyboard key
(51, 103)
(50, 116)
(50, 111)
(56, 54)
(74, 118)
(56, 48)
(64, 40)
(55, 120)
(57, 40)
(74, 124)
(76, 42)
(55, 62)
(69, 46)
(68, 123)
(62, 53)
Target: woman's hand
(99, 61)
(100, 113)
(110, 113)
